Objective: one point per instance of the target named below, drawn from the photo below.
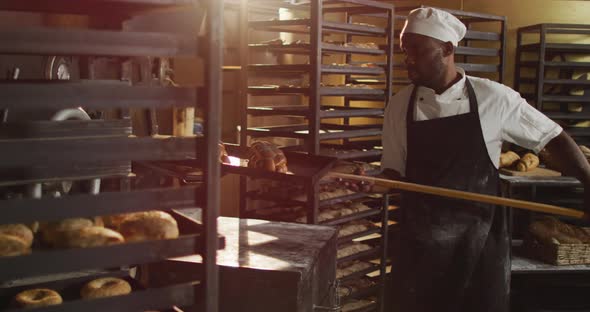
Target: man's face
(425, 59)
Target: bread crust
(38, 297)
(105, 287)
(149, 225)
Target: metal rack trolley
(79, 150)
(352, 141)
(544, 74)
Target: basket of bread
(558, 243)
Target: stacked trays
(323, 95)
(40, 154)
(313, 89)
(552, 66)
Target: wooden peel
(439, 191)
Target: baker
(446, 129)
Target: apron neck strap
(470, 93)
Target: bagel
(105, 287)
(19, 230)
(13, 246)
(148, 225)
(92, 236)
(35, 298)
(52, 233)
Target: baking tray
(44, 262)
(343, 69)
(348, 238)
(302, 167)
(52, 41)
(92, 7)
(81, 151)
(352, 217)
(95, 94)
(326, 111)
(33, 131)
(107, 203)
(359, 274)
(140, 299)
(367, 254)
(363, 293)
(327, 132)
(305, 48)
(302, 26)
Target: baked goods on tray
(267, 156)
(105, 287)
(36, 298)
(148, 225)
(351, 268)
(352, 249)
(549, 230)
(355, 227)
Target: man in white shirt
(446, 130)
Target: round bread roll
(19, 230)
(267, 156)
(52, 233)
(148, 225)
(13, 246)
(508, 159)
(528, 162)
(105, 287)
(35, 298)
(92, 236)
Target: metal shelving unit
(316, 126)
(316, 28)
(548, 59)
(74, 150)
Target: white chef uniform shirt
(504, 116)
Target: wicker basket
(563, 254)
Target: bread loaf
(92, 236)
(508, 159)
(148, 225)
(267, 156)
(19, 230)
(53, 233)
(13, 246)
(551, 231)
(528, 162)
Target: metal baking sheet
(44, 262)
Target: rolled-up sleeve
(524, 125)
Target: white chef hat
(436, 24)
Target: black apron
(453, 255)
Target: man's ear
(448, 48)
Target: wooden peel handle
(439, 191)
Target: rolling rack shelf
(551, 74)
(352, 132)
(80, 150)
(316, 28)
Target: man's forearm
(569, 158)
